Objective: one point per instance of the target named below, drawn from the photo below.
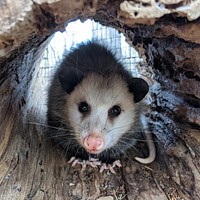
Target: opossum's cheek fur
(95, 132)
(91, 137)
(97, 139)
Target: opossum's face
(100, 110)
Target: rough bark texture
(31, 168)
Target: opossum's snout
(93, 143)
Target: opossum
(94, 110)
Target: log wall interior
(169, 39)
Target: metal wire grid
(63, 42)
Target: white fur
(101, 94)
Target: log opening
(30, 167)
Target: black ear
(69, 78)
(139, 88)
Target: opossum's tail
(152, 150)
(150, 143)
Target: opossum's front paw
(110, 167)
(93, 162)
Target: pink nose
(93, 143)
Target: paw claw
(117, 163)
(84, 164)
(71, 159)
(75, 162)
(112, 170)
(103, 167)
(93, 162)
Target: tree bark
(31, 167)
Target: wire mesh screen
(116, 41)
(77, 32)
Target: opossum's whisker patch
(139, 139)
(74, 123)
(115, 128)
(123, 143)
(57, 145)
(58, 135)
(45, 125)
(124, 153)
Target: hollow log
(167, 36)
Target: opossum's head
(100, 110)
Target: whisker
(57, 136)
(45, 125)
(119, 148)
(118, 127)
(57, 144)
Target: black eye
(83, 107)
(114, 111)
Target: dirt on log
(167, 36)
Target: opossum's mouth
(93, 151)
